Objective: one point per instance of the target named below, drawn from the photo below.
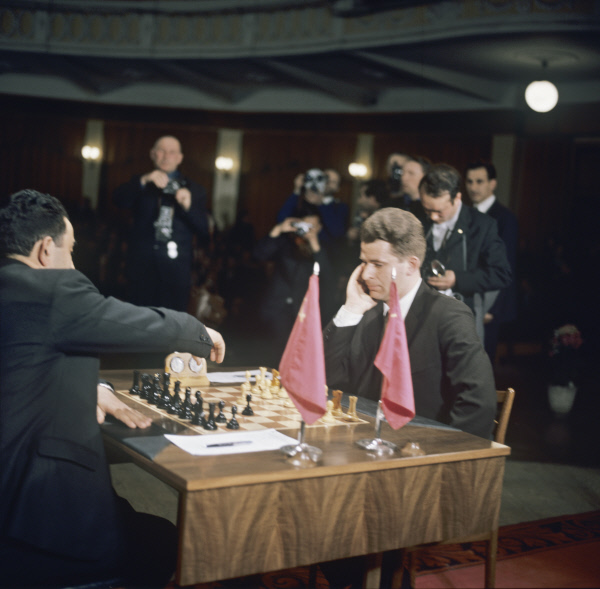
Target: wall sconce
(357, 170)
(90, 153)
(541, 95)
(224, 164)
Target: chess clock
(190, 371)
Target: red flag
(302, 366)
(397, 396)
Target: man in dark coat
(168, 210)
(465, 242)
(60, 521)
(480, 180)
(452, 376)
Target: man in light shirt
(480, 180)
(463, 240)
(452, 376)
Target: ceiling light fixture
(541, 95)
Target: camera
(301, 227)
(172, 187)
(315, 180)
(395, 178)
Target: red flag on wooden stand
(302, 366)
(397, 396)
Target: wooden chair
(505, 403)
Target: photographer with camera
(292, 246)
(168, 210)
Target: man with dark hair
(500, 307)
(169, 210)
(60, 521)
(452, 376)
(413, 170)
(465, 255)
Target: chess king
(61, 523)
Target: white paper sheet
(234, 443)
(233, 377)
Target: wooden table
(252, 513)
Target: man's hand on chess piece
(109, 404)
(217, 354)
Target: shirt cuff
(345, 318)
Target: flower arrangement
(564, 356)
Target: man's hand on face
(357, 298)
(157, 177)
(184, 197)
(109, 404)
(217, 354)
(448, 280)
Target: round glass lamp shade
(541, 96)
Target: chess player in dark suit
(481, 182)
(452, 376)
(61, 523)
(168, 210)
(464, 240)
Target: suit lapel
(415, 313)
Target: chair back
(505, 403)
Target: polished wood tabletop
(250, 513)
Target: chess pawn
(328, 417)
(265, 390)
(135, 389)
(248, 410)
(221, 417)
(233, 422)
(245, 389)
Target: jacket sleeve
(195, 217)
(468, 374)
(490, 270)
(87, 322)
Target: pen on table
(228, 444)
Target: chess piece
(135, 389)
(248, 410)
(210, 422)
(245, 389)
(165, 399)
(276, 382)
(351, 415)
(146, 387)
(198, 417)
(328, 417)
(186, 408)
(337, 403)
(221, 417)
(283, 394)
(175, 406)
(265, 390)
(233, 422)
(156, 392)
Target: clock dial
(177, 364)
(196, 366)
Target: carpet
(556, 552)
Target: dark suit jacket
(452, 375)
(54, 479)
(505, 307)
(474, 251)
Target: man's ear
(43, 254)
(414, 264)
(493, 184)
(458, 196)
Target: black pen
(228, 444)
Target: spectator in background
(465, 242)
(318, 188)
(168, 210)
(500, 307)
(394, 170)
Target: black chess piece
(186, 408)
(210, 422)
(233, 422)
(248, 410)
(175, 406)
(155, 394)
(135, 389)
(165, 399)
(146, 387)
(198, 417)
(221, 417)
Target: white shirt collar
(406, 301)
(485, 205)
(440, 230)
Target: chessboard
(276, 413)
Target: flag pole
(377, 445)
(302, 454)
